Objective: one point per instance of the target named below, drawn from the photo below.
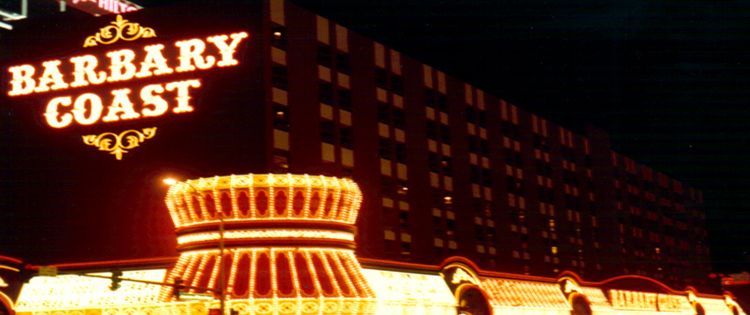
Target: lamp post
(222, 290)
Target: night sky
(668, 80)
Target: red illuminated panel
(101, 7)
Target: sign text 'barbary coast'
(77, 73)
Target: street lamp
(170, 181)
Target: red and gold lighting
(289, 242)
(84, 71)
(283, 244)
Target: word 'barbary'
(118, 66)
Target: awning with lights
(410, 293)
(716, 306)
(597, 301)
(67, 292)
(524, 297)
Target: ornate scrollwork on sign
(118, 144)
(121, 29)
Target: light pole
(222, 290)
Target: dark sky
(668, 80)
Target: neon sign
(637, 300)
(97, 7)
(71, 79)
(123, 65)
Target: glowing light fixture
(43, 294)
(289, 242)
(525, 297)
(410, 293)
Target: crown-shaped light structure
(289, 242)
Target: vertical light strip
(293, 269)
(190, 271)
(290, 197)
(189, 216)
(233, 195)
(174, 212)
(178, 269)
(327, 266)
(336, 198)
(214, 270)
(308, 196)
(271, 212)
(251, 191)
(313, 272)
(236, 257)
(217, 199)
(253, 274)
(274, 284)
(323, 197)
(343, 272)
(199, 274)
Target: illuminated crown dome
(289, 242)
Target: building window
(324, 55)
(278, 36)
(384, 113)
(397, 85)
(280, 117)
(279, 76)
(345, 99)
(401, 152)
(281, 140)
(384, 148)
(325, 92)
(327, 131)
(381, 78)
(432, 130)
(347, 137)
(399, 119)
(328, 152)
(342, 63)
(281, 160)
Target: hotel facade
(468, 203)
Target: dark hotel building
(456, 184)
(448, 169)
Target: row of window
(335, 129)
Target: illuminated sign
(672, 303)
(632, 300)
(72, 78)
(99, 7)
(637, 300)
(123, 65)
